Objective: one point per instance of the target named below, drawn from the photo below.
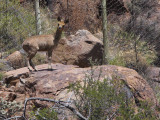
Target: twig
(115, 113)
(1, 116)
(41, 99)
(74, 111)
(90, 110)
(68, 103)
(49, 100)
(15, 117)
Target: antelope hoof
(29, 69)
(50, 68)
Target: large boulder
(54, 84)
(78, 49)
(16, 60)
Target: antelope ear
(59, 18)
(66, 21)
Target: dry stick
(51, 100)
(13, 117)
(74, 111)
(68, 102)
(41, 99)
(90, 110)
(1, 116)
(114, 114)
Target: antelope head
(61, 23)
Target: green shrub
(123, 43)
(129, 50)
(117, 60)
(144, 112)
(108, 99)
(44, 114)
(142, 25)
(16, 23)
(140, 65)
(8, 108)
(101, 97)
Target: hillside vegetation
(133, 35)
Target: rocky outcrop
(85, 14)
(54, 84)
(152, 75)
(4, 65)
(78, 49)
(16, 60)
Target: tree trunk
(38, 19)
(105, 40)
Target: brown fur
(42, 43)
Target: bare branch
(15, 117)
(41, 99)
(63, 103)
(90, 110)
(1, 116)
(68, 101)
(74, 111)
(113, 115)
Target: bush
(99, 98)
(117, 60)
(108, 99)
(16, 23)
(129, 50)
(142, 24)
(44, 114)
(7, 108)
(128, 112)
(140, 65)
